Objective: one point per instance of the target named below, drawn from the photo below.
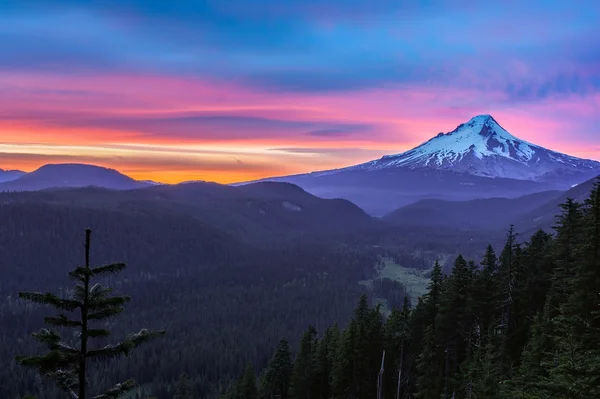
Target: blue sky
(372, 76)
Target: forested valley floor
(293, 321)
(524, 324)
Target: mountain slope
(8, 175)
(71, 175)
(479, 159)
(482, 147)
(480, 214)
(262, 213)
(544, 216)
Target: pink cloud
(35, 107)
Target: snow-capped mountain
(478, 159)
(482, 147)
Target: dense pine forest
(213, 267)
(521, 324)
(253, 321)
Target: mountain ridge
(67, 175)
(265, 213)
(478, 159)
(9, 175)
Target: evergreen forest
(520, 320)
(521, 323)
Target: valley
(221, 264)
(299, 199)
(414, 280)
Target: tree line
(209, 292)
(521, 324)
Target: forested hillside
(197, 267)
(207, 266)
(521, 324)
(210, 292)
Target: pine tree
(429, 368)
(576, 372)
(325, 361)
(397, 344)
(248, 389)
(344, 384)
(454, 323)
(368, 349)
(429, 358)
(483, 373)
(434, 292)
(507, 279)
(67, 363)
(303, 375)
(585, 298)
(487, 293)
(276, 379)
(568, 237)
(532, 378)
(183, 390)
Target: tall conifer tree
(276, 379)
(65, 362)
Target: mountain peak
(482, 117)
(71, 175)
(482, 147)
(485, 125)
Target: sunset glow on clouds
(220, 90)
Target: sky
(235, 90)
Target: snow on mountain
(482, 147)
(479, 159)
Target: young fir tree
(67, 363)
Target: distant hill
(544, 216)
(261, 213)
(71, 175)
(480, 214)
(8, 175)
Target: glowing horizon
(196, 92)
